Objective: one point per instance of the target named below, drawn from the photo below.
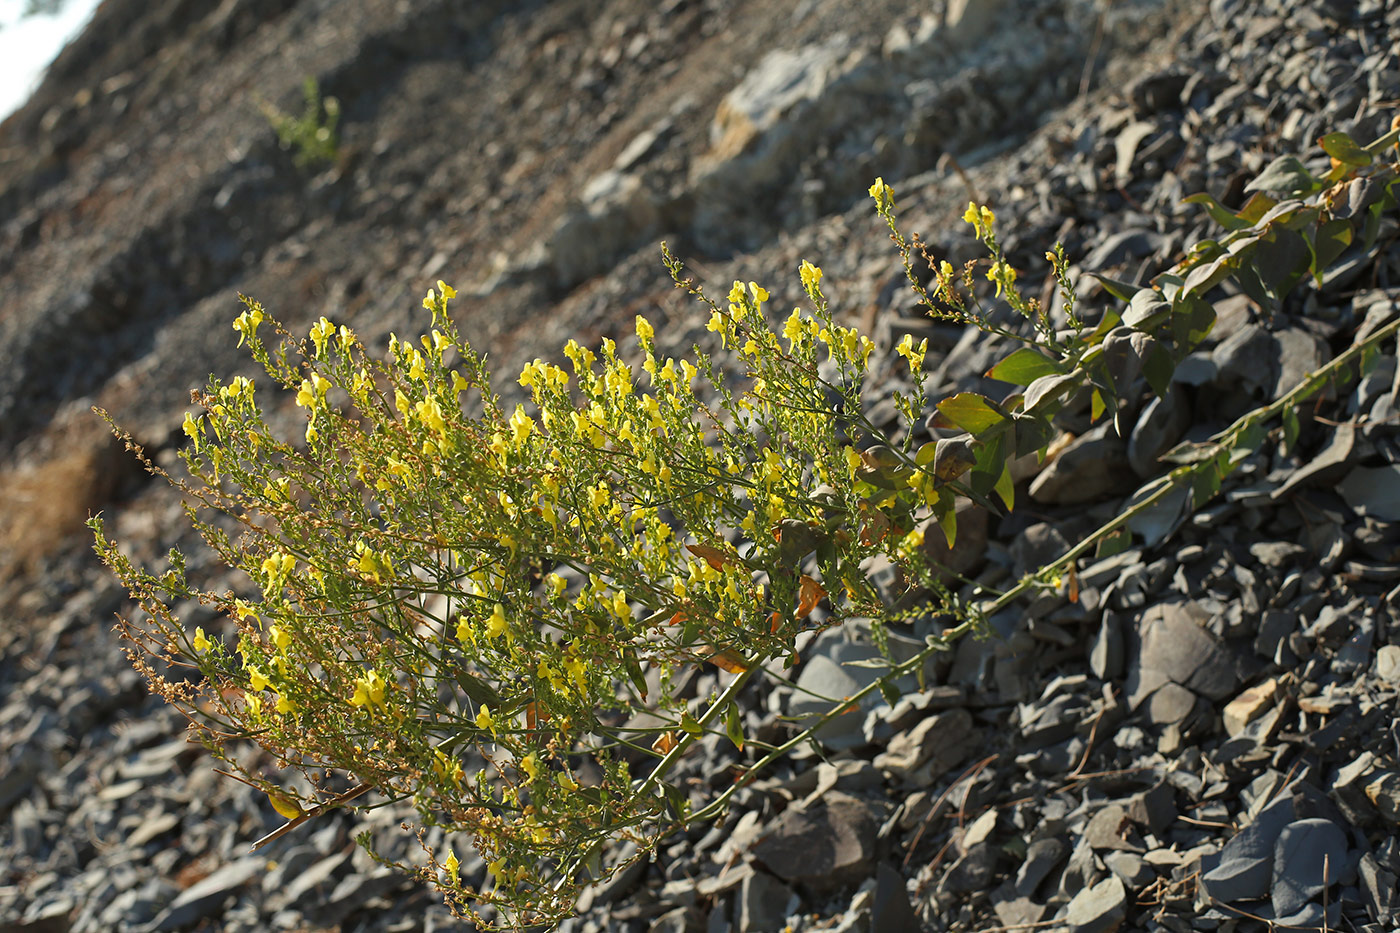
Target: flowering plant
(457, 605)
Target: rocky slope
(1223, 692)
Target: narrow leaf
(734, 727)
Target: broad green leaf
(1286, 175)
(1096, 405)
(1256, 207)
(1204, 485)
(889, 691)
(1033, 432)
(1218, 212)
(1325, 243)
(1024, 366)
(948, 521)
(1206, 276)
(974, 413)
(1157, 368)
(1049, 388)
(1344, 149)
(1120, 290)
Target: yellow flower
(565, 781)
(883, 195)
(285, 705)
(201, 641)
(530, 764)
(465, 632)
(811, 275)
(496, 624)
(972, 215)
(369, 690)
(430, 300)
(257, 680)
(280, 639)
(448, 292)
(321, 332)
(1003, 275)
(645, 332)
(484, 720)
(557, 584)
(760, 295)
(452, 866)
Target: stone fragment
(1249, 706)
(1160, 425)
(939, 741)
(1094, 466)
(1175, 648)
(972, 871)
(1154, 808)
(680, 920)
(1098, 909)
(764, 903)
(1388, 663)
(1135, 873)
(891, 909)
(1108, 829)
(1106, 650)
(1384, 793)
(1380, 890)
(1246, 863)
(1042, 856)
(823, 845)
(1310, 855)
(206, 898)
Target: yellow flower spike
(201, 641)
(452, 866)
(811, 275)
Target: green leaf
(1032, 433)
(1204, 485)
(1344, 149)
(734, 726)
(889, 691)
(1256, 207)
(1158, 368)
(1120, 290)
(1049, 389)
(1218, 212)
(1290, 429)
(1096, 406)
(1006, 488)
(948, 521)
(1325, 243)
(476, 689)
(634, 672)
(690, 725)
(974, 413)
(1024, 366)
(1285, 175)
